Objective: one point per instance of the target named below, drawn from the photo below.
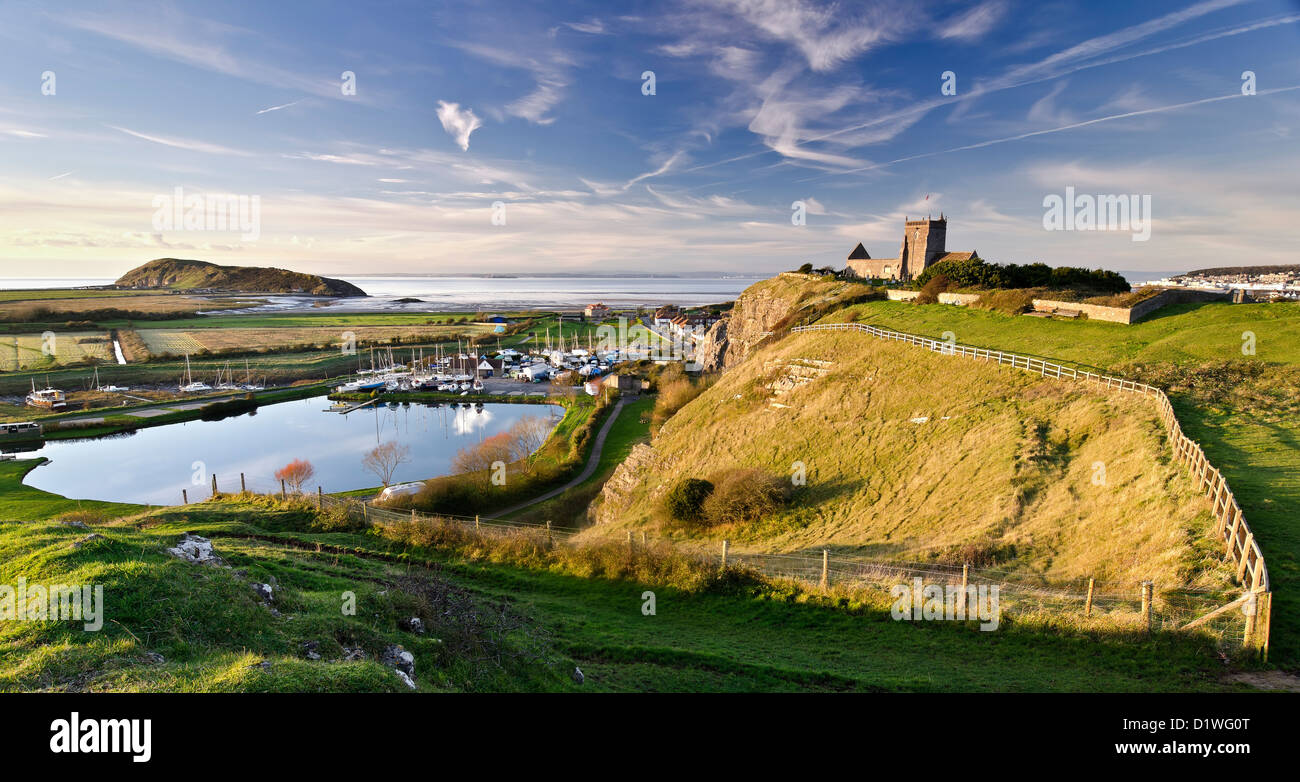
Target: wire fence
(1086, 604)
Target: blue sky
(540, 106)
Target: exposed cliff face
(759, 310)
(180, 274)
(619, 490)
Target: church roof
(859, 253)
(956, 257)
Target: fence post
(1147, 590)
(550, 541)
(475, 521)
(243, 487)
(1263, 618)
(320, 499)
(724, 552)
(1087, 607)
(1251, 614)
(185, 498)
(283, 494)
(642, 538)
(965, 596)
(826, 559)
(412, 514)
(1245, 557)
(629, 540)
(365, 513)
(214, 485)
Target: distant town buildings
(1249, 282)
(596, 311)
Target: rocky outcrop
(758, 310)
(618, 490)
(190, 275)
(711, 349)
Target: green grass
(213, 633)
(47, 294)
(1247, 432)
(1178, 333)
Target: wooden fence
(1231, 529)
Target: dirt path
(587, 471)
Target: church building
(923, 245)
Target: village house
(687, 325)
(664, 316)
(596, 311)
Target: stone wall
(960, 299)
(1130, 315)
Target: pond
(153, 465)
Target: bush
(685, 502)
(978, 273)
(745, 494)
(674, 394)
(937, 284)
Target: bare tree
(295, 474)
(528, 435)
(481, 456)
(384, 459)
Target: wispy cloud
(458, 123)
(278, 108)
(975, 23)
(184, 143)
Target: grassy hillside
(175, 626)
(917, 456)
(1244, 410)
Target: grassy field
(31, 351)
(1178, 333)
(65, 308)
(162, 342)
(898, 466)
(213, 634)
(47, 294)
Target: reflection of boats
(48, 397)
(190, 386)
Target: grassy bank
(708, 633)
(1241, 408)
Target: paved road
(587, 471)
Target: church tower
(923, 241)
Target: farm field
(44, 294)
(25, 351)
(70, 307)
(162, 342)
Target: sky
(742, 136)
